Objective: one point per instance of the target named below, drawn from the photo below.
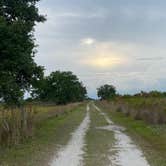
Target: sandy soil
(72, 153)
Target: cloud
(150, 59)
(102, 62)
(104, 55)
(117, 42)
(87, 41)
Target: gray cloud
(151, 59)
(133, 31)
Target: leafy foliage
(18, 71)
(106, 92)
(61, 88)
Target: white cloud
(88, 41)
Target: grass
(98, 141)
(16, 124)
(151, 138)
(149, 109)
(48, 136)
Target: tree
(61, 88)
(18, 71)
(106, 92)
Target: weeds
(150, 109)
(17, 125)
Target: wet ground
(97, 141)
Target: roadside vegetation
(50, 124)
(11, 130)
(152, 110)
(144, 116)
(149, 130)
(147, 106)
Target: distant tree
(106, 92)
(61, 88)
(18, 71)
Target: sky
(119, 42)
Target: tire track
(72, 153)
(126, 152)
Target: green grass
(49, 134)
(152, 139)
(98, 142)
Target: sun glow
(104, 55)
(103, 62)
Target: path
(71, 154)
(127, 153)
(99, 142)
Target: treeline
(146, 94)
(19, 73)
(107, 92)
(60, 88)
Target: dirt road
(97, 141)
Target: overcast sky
(120, 42)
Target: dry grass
(17, 125)
(150, 109)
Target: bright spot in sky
(103, 61)
(88, 41)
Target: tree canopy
(61, 88)
(106, 92)
(18, 71)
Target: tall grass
(16, 125)
(13, 127)
(150, 109)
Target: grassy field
(47, 137)
(150, 137)
(150, 109)
(17, 124)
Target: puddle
(126, 152)
(113, 128)
(104, 114)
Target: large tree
(18, 71)
(61, 88)
(106, 92)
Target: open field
(149, 109)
